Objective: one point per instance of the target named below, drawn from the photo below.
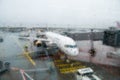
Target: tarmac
(11, 50)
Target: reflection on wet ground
(11, 50)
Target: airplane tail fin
(118, 24)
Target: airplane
(118, 24)
(66, 44)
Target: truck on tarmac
(86, 74)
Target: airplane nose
(76, 52)
(72, 52)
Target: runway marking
(25, 53)
(65, 67)
(29, 58)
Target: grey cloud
(75, 12)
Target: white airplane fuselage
(64, 43)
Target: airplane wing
(33, 38)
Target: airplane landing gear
(65, 58)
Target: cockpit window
(71, 46)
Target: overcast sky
(95, 13)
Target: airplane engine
(41, 48)
(44, 44)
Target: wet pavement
(11, 50)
